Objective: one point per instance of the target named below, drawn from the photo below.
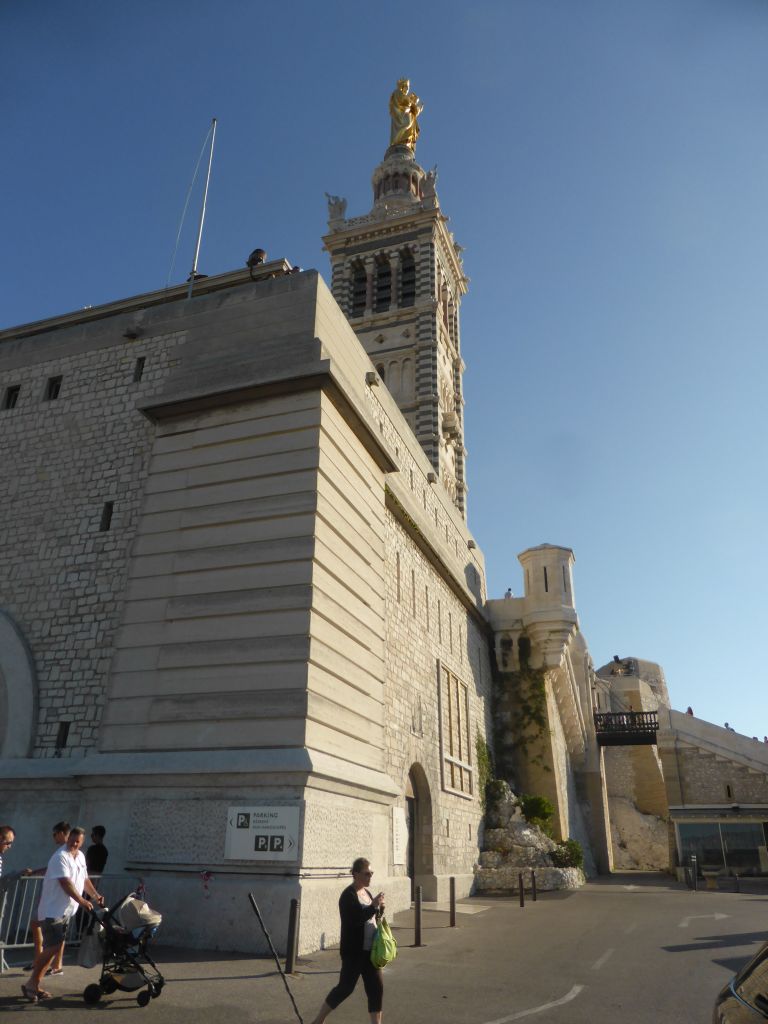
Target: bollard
(736, 876)
(533, 886)
(417, 916)
(293, 937)
(694, 873)
(522, 889)
(452, 920)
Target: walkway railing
(626, 728)
(20, 896)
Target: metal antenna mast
(202, 212)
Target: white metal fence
(19, 898)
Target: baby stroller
(122, 934)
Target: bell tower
(397, 275)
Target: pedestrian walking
(66, 877)
(358, 910)
(60, 832)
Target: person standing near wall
(97, 853)
(358, 910)
(66, 877)
(7, 835)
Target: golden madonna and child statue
(404, 109)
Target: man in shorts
(60, 833)
(66, 877)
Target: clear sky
(605, 166)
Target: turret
(548, 577)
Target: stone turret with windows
(397, 275)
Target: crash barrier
(20, 896)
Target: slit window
(546, 581)
(359, 289)
(106, 516)
(138, 370)
(53, 389)
(383, 285)
(62, 735)
(408, 280)
(11, 396)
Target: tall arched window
(359, 288)
(407, 279)
(383, 284)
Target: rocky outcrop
(513, 845)
(640, 841)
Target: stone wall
(705, 779)
(428, 632)
(63, 460)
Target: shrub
(537, 810)
(568, 854)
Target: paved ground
(632, 948)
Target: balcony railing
(626, 728)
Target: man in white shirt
(66, 878)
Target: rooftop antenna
(193, 272)
(186, 201)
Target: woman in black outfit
(358, 910)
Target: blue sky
(605, 166)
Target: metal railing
(626, 728)
(20, 896)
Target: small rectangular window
(546, 581)
(62, 734)
(52, 389)
(138, 370)
(106, 516)
(11, 397)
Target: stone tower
(397, 275)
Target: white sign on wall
(262, 833)
(399, 835)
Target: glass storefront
(736, 848)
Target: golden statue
(404, 108)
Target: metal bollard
(522, 889)
(452, 921)
(417, 916)
(694, 873)
(293, 937)
(533, 886)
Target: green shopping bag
(384, 947)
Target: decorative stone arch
(420, 857)
(18, 691)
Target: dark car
(744, 1000)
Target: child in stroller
(122, 933)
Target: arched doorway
(419, 820)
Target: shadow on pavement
(717, 942)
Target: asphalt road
(630, 948)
